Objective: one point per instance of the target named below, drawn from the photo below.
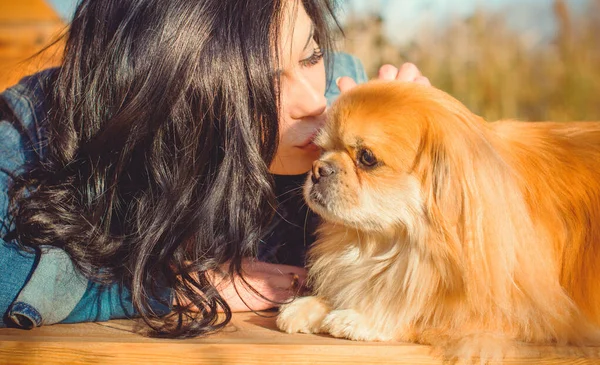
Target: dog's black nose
(322, 169)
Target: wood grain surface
(250, 339)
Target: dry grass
(26, 27)
(496, 71)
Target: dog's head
(387, 153)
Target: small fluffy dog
(443, 229)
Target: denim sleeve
(43, 286)
(16, 266)
(343, 64)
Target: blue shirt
(42, 286)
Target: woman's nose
(306, 99)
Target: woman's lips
(308, 144)
(310, 147)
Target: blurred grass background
(492, 67)
(26, 27)
(496, 69)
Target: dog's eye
(367, 158)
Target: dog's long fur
(467, 235)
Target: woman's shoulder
(30, 88)
(22, 112)
(27, 98)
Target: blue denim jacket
(44, 287)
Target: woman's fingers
(423, 81)
(408, 72)
(345, 83)
(270, 290)
(388, 73)
(264, 285)
(267, 276)
(252, 265)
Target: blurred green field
(494, 69)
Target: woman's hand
(408, 72)
(278, 283)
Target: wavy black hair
(162, 123)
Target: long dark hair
(162, 123)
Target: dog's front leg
(303, 315)
(348, 323)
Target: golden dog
(443, 229)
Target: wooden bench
(250, 339)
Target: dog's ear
(442, 205)
(477, 210)
(438, 178)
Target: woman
(144, 175)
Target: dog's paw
(477, 348)
(303, 315)
(350, 324)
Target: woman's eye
(367, 158)
(314, 59)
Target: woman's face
(302, 85)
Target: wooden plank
(250, 339)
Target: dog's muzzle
(323, 170)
